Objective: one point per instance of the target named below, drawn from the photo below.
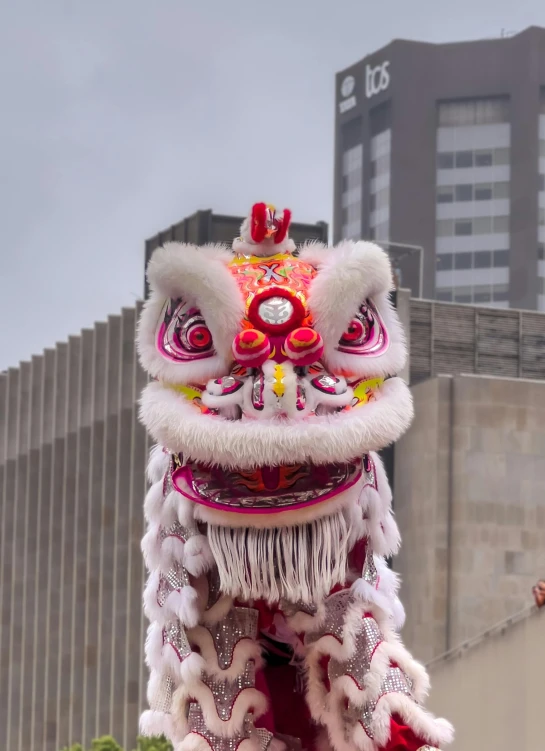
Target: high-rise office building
(442, 147)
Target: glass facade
(473, 202)
(352, 174)
(352, 179)
(379, 187)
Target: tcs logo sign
(376, 79)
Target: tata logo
(376, 79)
(348, 101)
(347, 86)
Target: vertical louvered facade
(72, 458)
(450, 339)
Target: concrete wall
(72, 458)
(470, 502)
(493, 691)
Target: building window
(462, 260)
(464, 192)
(501, 258)
(474, 112)
(444, 295)
(500, 224)
(479, 158)
(468, 192)
(464, 159)
(444, 262)
(541, 252)
(482, 225)
(463, 227)
(462, 294)
(445, 194)
(483, 192)
(483, 259)
(500, 292)
(481, 294)
(501, 190)
(501, 156)
(445, 160)
(483, 158)
(541, 183)
(352, 176)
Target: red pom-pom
(304, 346)
(251, 348)
(283, 226)
(259, 222)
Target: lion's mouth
(265, 489)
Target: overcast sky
(120, 117)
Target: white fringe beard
(298, 564)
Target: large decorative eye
(183, 334)
(366, 333)
(356, 333)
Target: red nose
(304, 346)
(251, 348)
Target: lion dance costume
(273, 614)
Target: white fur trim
(245, 649)
(183, 604)
(348, 275)
(370, 595)
(200, 277)
(438, 732)
(198, 557)
(157, 465)
(155, 723)
(191, 669)
(182, 507)
(172, 549)
(172, 664)
(218, 611)
(151, 547)
(154, 647)
(380, 523)
(152, 610)
(340, 437)
(248, 699)
(398, 614)
(153, 502)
